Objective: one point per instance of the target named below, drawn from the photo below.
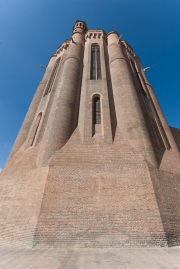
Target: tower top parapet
(93, 34)
(80, 26)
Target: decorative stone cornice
(64, 46)
(95, 35)
(128, 47)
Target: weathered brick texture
(69, 182)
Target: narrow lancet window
(138, 78)
(52, 77)
(157, 132)
(95, 62)
(34, 130)
(97, 111)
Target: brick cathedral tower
(95, 163)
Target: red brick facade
(70, 182)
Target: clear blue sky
(31, 31)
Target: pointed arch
(95, 62)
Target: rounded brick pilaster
(63, 117)
(130, 119)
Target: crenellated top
(91, 35)
(128, 47)
(95, 35)
(80, 26)
(62, 48)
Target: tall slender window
(137, 78)
(34, 130)
(97, 111)
(95, 62)
(52, 77)
(159, 138)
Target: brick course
(114, 187)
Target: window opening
(138, 79)
(95, 62)
(97, 111)
(157, 132)
(52, 77)
(35, 129)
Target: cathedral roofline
(65, 41)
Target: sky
(31, 31)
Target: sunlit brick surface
(71, 183)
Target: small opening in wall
(97, 111)
(158, 138)
(138, 78)
(96, 115)
(35, 130)
(52, 77)
(95, 62)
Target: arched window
(95, 62)
(97, 111)
(34, 130)
(52, 77)
(157, 132)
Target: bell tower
(95, 163)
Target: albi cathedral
(95, 163)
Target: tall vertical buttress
(130, 119)
(161, 116)
(63, 117)
(95, 85)
(23, 133)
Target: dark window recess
(34, 130)
(157, 132)
(97, 111)
(52, 77)
(138, 79)
(95, 62)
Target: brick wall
(176, 134)
(76, 187)
(21, 192)
(99, 196)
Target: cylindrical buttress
(161, 117)
(23, 133)
(130, 119)
(63, 117)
